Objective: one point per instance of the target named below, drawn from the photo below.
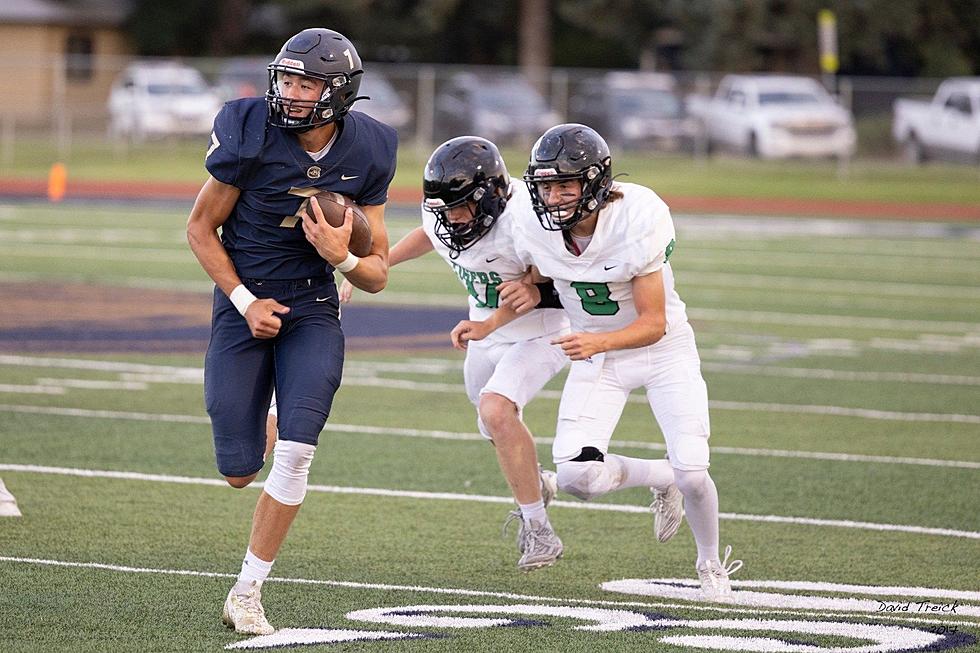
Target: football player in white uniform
(469, 211)
(606, 247)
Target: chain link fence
(63, 103)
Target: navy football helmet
(321, 54)
(566, 152)
(462, 170)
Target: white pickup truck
(948, 127)
(775, 116)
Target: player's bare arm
(212, 207)
(413, 245)
(648, 327)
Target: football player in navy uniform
(275, 322)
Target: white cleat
(713, 575)
(549, 488)
(668, 512)
(8, 504)
(539, 545)
(245, 614)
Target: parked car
(633, 110)
(242, 77)
(385, 104)
(775, 116)
(947, 127)
(505, 109)
(151, 100)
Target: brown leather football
(333, 206)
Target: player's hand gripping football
(331, 242)
(519, 295)
(466, 331)
(262, 317)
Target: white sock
(534, 511)
(254, 570)
(639, 472)
(701, 511)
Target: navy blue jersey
(263, 236)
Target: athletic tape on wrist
(347, 264)
(242, 298)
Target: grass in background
(670, 175)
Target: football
(333, 206)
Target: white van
(150, 100)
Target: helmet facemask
(333, 104)
(569, 152)
(595, 181)
(484, 206)
(465, 171)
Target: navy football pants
(303, 364)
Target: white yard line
(33, 389)
(693, 258)
(480, 498)
(169, 373)
(809, 409)
(459, 591)
(93, 384)
(824, 321)
(101, 253)
(840, 375)
(93, 237)
(813, 285)
(476, 437)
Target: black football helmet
(564, 152)
(462, 170)
(322, 54)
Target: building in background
(71, 49)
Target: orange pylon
(57, 182)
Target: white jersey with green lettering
(634, 236)
(493, 260)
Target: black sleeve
(549, 296)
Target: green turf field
(843, 365)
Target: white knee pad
(588, 480)
(690, 453)
(290, 469)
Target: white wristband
(347, 264)
(242, 298)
